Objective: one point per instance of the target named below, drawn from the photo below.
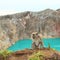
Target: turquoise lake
(27, 43)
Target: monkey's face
(34, 36)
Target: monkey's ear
(32, 36)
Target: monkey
(37, 41)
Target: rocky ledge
(49, 54)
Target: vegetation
(37, 56)
(41, 55)
(5, 53)
(49, 46)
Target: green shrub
(37, 56)
(5, 53)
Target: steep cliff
(21, 25)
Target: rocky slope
(21, 25)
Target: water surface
(27, 43)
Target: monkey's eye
(36, 33)
(33, 34)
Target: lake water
(27, 43)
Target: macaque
(37, 41)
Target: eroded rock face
(21, 25)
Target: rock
(26, 54)
(21, 25)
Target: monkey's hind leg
(40, 45)
(34, 45)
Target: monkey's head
(34, 35)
